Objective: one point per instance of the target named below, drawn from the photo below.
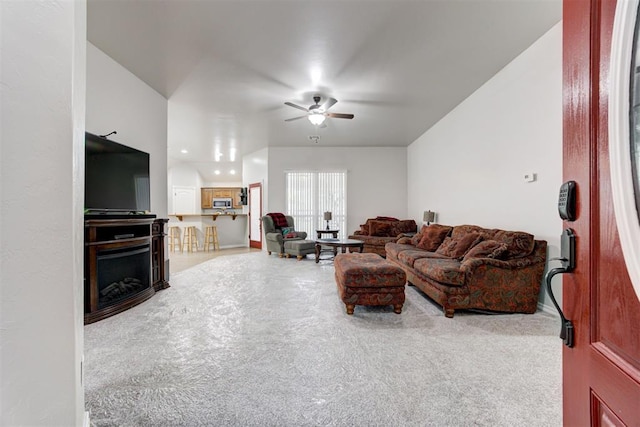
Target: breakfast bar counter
(213, 216)
(232, 228)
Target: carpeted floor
(256, 340)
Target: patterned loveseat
(469, 267)
(377, 232)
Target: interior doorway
(184, 200)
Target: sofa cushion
(487, 249)
(460, 230)
(393, 249)
(444, 270)
(409, 257)
(433, 236)
(381, 228)
(404, 226)
(518, 243)
(386, 218)
(456, 247)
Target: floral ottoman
(369, 279)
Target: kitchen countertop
(213, 215)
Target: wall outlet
(530, 177)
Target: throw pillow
(416, 239)
(289, 232)
(404, 226)
(433, 236)
(380, 228)
(456, 247)
(487, 249)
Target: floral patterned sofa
(470, 267)
(377, 232)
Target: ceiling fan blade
(296, 106)
(294, 118)
(328, 104)
(340, 115)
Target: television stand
(124, 263)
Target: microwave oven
(222, 203)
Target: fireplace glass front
(122, 273)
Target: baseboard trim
(86, 422)
(548, 309)
(233, 246)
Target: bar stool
(190, 239)
(174, 234)
(211, 238)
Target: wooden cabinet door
(222, 192)
(601, 373)
(206, 198)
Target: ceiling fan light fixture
(316, 118)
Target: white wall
(469, 167)
(118, 100)
(376, 178)
(41, 212)
(255, 169)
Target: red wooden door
(255, 216)
(601, 374)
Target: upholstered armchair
(274, 237)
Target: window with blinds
(310, 194)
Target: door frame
(256, 244)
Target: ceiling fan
(318, 113)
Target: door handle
(568, 263)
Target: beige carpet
(255, 340)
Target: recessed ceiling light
(217, 172)
(232, 171)
(183, 151)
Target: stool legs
(190, 240)
(211, 238)
(174, 236)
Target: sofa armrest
(302, 235)
(274, 237)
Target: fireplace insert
(122, 272)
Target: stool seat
(369, 279)
(299, 248)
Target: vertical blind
(310, 194)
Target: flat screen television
(116, 178)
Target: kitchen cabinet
(206, 198)
(210, 193)
(223, 192)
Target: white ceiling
(227, 67)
